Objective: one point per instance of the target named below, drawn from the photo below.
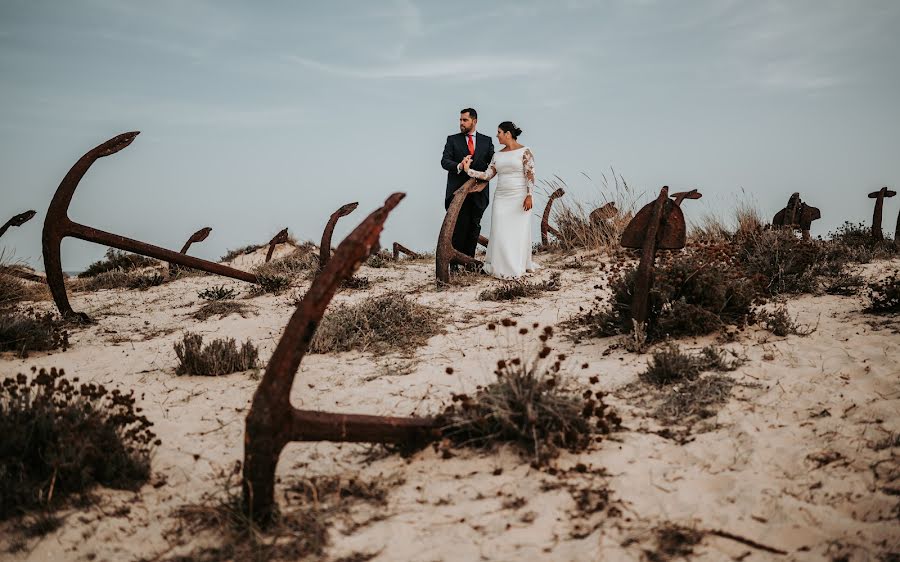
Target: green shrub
(117, 260)
(219, 357)
(58, 438)
(217, 293)
(884, 295)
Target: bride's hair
(510, 127)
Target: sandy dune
(792, 461)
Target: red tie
(471, 144)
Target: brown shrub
(219, 357)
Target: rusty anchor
(198, 236)
(879, 196)
(273, 422)
(796, 215)
(325, 246)
(603, 213)
(401, 249)
(680, 196)
(57, 226)
(545, 219)
(17, 220)
(657, 226)
(445, 251)
(279, 238)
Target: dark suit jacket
(454, 151)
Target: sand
(791, 461)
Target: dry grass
(533, 404)
(669, 364)
(219, 357)
(221, 309)
(117, 260)
(27, 331)
(572, 218)
(779, 322)
(884, 294)
(516, 289)
(388, 322)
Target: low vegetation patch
(217, 293)
(271, 282)
(380, 259)
(59, 438)
(533, 404)
(242, 251)
(221, 309)
(388, 322)
(669, 364)
(23, 332)
(299, 531)
(884, 294)
(779, 322)
(117, 260)
(516, 289)
(219, 357)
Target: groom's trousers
(468, 227)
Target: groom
(468, 142)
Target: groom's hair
(472, 113)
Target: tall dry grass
(572, 218)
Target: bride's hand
(528, 204)
(467, 161)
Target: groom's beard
(464, 130)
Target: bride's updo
(510, 127)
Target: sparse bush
(217, 293)
(387, 322)
(669, 364)
(113, 279)
(380, 259)
(532, 404)
(515, 289)
(884, 294)
(780, 323)
(219, 357)
(242, 251)
(220, 309)
(144, 282)
(356, 283)
(117, 260)
(58, 438)
(11, 291)
(270, 282)
(32, 331)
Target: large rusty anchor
(273, 422)
(57, 226)
(279, 238)
(17, 220)
(325, 246)
(657, 226)
(797, 214)
(545, 219)
(879, 196)
(401, 249)
(445, 251)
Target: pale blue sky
(256, 116)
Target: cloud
(460, 68)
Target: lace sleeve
(528, 167)
(487, 174)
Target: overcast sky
(259, 115)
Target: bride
(509, 249)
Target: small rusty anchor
(603, 213)
(279, 238)
(483, 240)
(879, 196)
(545, 219)
(325, 246)
(401, 249)
(198, 236)
(796, 215)
(682, 195)
(273, 422)
(17, 220)
(657, 226)
(57, 226)
(445, 251)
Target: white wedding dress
(509, 246)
